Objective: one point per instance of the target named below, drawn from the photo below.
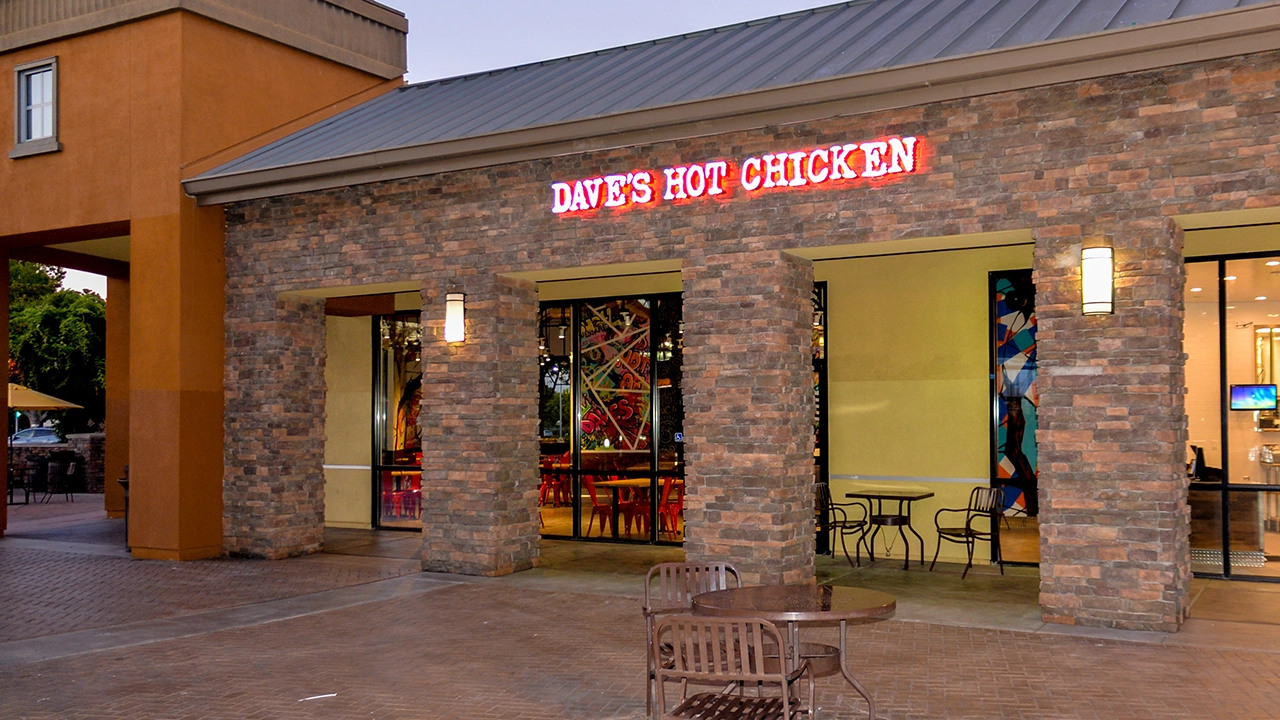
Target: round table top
(798, 603)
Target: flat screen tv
(1253, 397)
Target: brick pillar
(273, 490)
(479, 423)
(748, 399)
(1114, 522)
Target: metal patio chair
(984, 502)
(731, 654)
(841, 520)
(677, 583)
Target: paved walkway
(561, 642)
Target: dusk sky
(448, 37)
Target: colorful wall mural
(1014, 466)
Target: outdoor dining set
(717, 649)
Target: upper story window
(36, 123)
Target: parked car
(35, 436)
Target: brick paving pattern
(496, 650)
(45, 592)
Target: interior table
(798, 605)
(901, 519)
(631, 483)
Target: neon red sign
(875, 160)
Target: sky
(456, 37)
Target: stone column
(748, 399)
(479, 423)
(1114, 522)
(273, 490)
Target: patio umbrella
(24, 398)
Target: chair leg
(935, 554)
(969, 543)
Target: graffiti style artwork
(614, 347)
(1016, 399)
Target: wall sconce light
(455, 330)
(1097, 280)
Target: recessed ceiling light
(1261, 297)
(1273, 263)
(1230, 277)
(1231, 307)
(1196, 289)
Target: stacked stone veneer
(479, 428)
(273, 491)
(748, 381)
(1108, 158)
(1112, 441)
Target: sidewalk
(560, 642)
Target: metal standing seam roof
(826, 42)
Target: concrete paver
(87, 633)
(495, 650)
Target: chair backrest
(984, 500)
(590, 482)
(718, 651)
(822, 505)
(679, 582)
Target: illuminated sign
(880, 159)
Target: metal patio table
(900, 519)
(798, 605)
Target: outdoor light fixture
(1097, 280)
(455, 330)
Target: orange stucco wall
(138, 103)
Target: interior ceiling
(115, 248)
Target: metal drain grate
(1239, 558)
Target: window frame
(36, 146)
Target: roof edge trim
(1229, 33)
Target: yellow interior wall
(348, 378)
(908, 343)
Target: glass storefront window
(611, 425)
(398, 471)
(1232, 332)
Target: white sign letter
(840, 168)
(675, 183)
(716, 173)
(775, 170)
(696, 181)
(561, 197)
(751, 173)
(875, 158)
(641, 187)
(797, 175)
(816, 176)
(614, 195)
(903, 149)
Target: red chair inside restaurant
(670, 505)
(602, 509)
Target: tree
(29, 282)
(57, 344)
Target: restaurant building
(845, 243)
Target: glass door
(1231, 338)
(397, 393)
(612, 419)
